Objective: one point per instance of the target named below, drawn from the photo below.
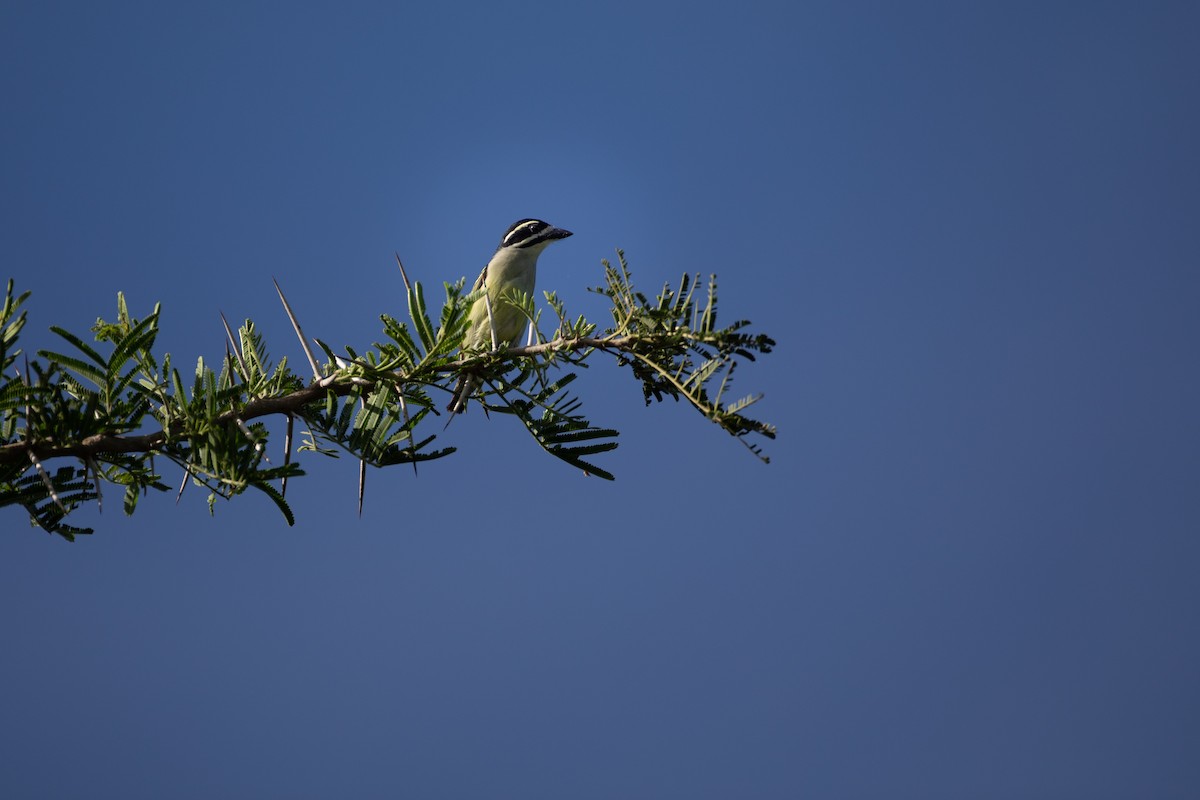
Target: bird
(493, 319)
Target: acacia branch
(291, 403)
(362, 406)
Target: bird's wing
(481, 280)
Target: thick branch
(13, 452)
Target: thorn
(236, 350)
(487, 303)
(312, 362)
(362, 471)
(187, 472)
(403, 274)
(362, 483)
(46, 480)
(228, 364)
(287, 453)
(25, 380)
(258, 448)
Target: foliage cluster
(105, 412)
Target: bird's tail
(463, 390)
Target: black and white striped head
(531, 233)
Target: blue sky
(969, 570)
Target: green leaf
(277, 498)
(80, 367)
(81, 345)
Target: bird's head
(525, 234)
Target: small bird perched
(494, 320)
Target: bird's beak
(558, 233)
